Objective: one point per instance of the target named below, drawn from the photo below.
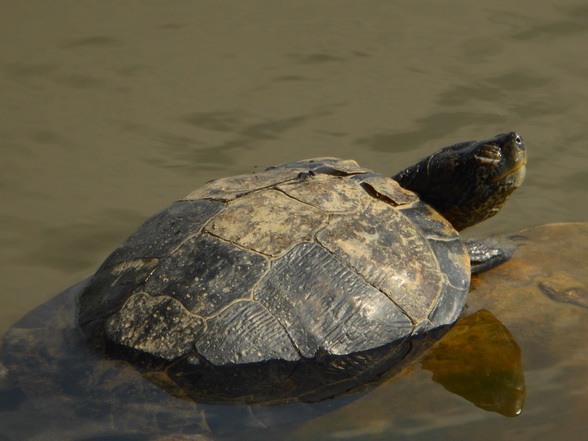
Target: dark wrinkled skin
(469, 182)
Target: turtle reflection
(480, 361)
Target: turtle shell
(307, 259)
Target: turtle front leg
(485, 255)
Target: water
(111, 110)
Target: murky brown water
(111, 110)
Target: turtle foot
(485, 255)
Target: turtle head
(469, 182)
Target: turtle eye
(519, 140)
(489, 155)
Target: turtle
(307, 281)
(301, 263)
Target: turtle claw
(485, 255)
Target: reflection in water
(479, 360)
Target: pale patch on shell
(268, 222)
(157, 325)
(331, 194)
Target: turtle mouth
(518, 171)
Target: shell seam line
(452, 285)
(237, 195)
(281, 324)
(205, 230)
(311, 205)
(356, 271)
(314, 206)
(189, 236)
(254, 289)
(210, 233)
(447, 240)
(425, 238)
(230, 304)
(186, 310)
(241, 299)
(442, 239)
(253, 299)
